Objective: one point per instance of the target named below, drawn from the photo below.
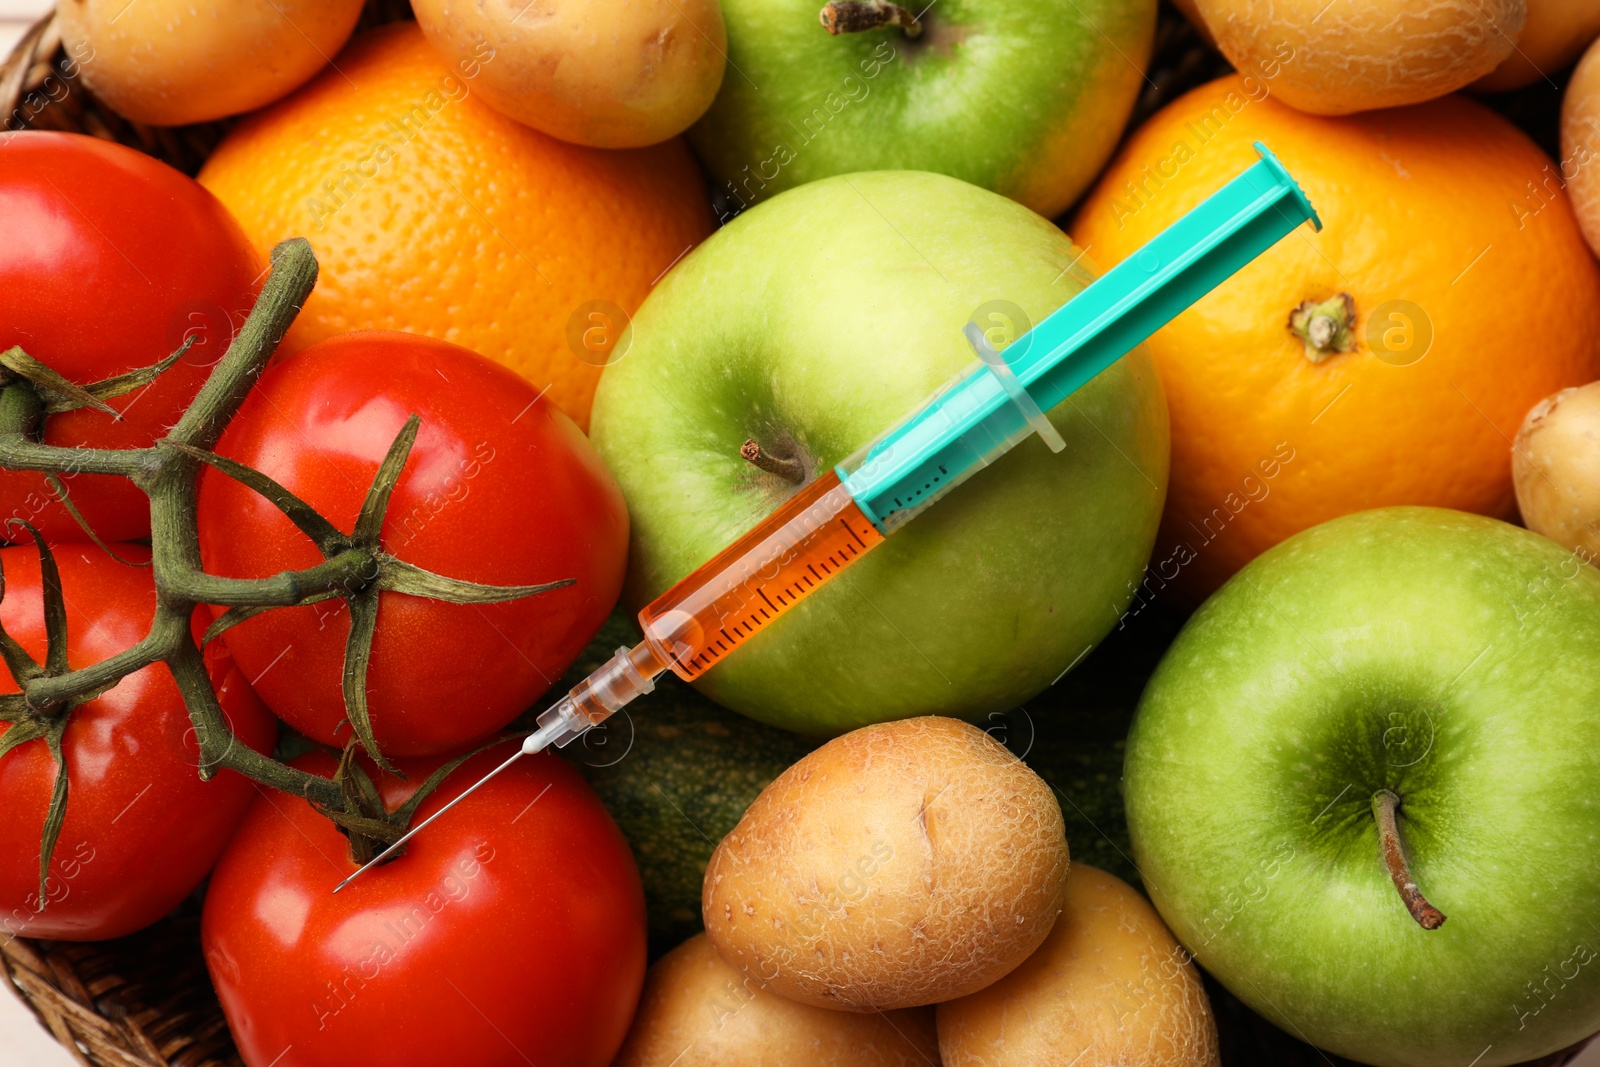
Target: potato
(1353, 55)
(1110, 986)
(606, 73)
(902, 864)
(1580, 145)
(1556, 465)
(172, 62)
(1556, 31)
(697, 1011)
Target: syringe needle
(409, 834)
(987, 410)
(612, 685)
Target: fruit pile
(323, 472)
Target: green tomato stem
(169, 477)
(22, 413)
(354, 567)
(51, 690)
(220, 749)
(294, 273)
(348, 572)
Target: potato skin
(697, 1011)
(604, 73)
(1556, 464)
(173, 62)
(1110, 986)
(1580, 144)
(904, 863)
(1362, 54)
(1556, 31)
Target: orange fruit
(431, 212)
(1445, 232)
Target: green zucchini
(677, 772)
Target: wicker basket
(145, 1000)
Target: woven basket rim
(38, 43)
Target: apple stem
(855, 16)
(1384, 806)
(786, 467)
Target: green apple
(1438, 665)
(1024, 97)
(811, 324)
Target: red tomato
(142, 829)
(110, 260)
(511, 931)
(501, 488)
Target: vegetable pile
(1262, 721)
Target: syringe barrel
(981, 415)
(810, 538)
(975, 419)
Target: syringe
(971, 422)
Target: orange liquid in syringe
(745, 587)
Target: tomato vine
(354, 567)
